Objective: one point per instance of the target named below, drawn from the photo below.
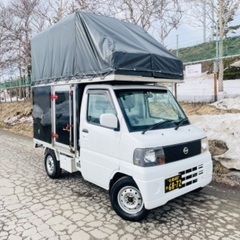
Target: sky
(190, 36)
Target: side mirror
(109, 120)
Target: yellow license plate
(173, 183)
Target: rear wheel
(52, 166)
(127, 200)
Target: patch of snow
(17, 119)
(225, 127)
(26, 119)
(235, 64)
(11, 121)
(10, 99)
(228, 103)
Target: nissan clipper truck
(133, 140)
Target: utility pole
(221, 36)
(213, 20)
(204, 21)
(175, 84)
(215, 70)
(216, 61)
(177, 46)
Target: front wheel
(127, 200)
(52, 166)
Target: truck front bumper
(162, 183)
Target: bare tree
(55, 10)
(162, 16)
(226, 9)
(94, 6)
(169, 16)
(135, 11)
(19, 22)
(220, 13)
(8, 39)
(22, 19)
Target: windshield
(143, 109)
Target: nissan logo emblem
(185, 150)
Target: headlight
(148, 157)
(204, 144)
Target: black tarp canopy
(84, 45)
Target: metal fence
(192, 89)
(15, 90)
(202, 89)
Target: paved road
(32, 206)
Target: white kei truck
(98, 108)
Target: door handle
(85, 130)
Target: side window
(98, 103)
(63, 115)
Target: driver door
(99, 145)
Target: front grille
(181, 151)
(191, 175)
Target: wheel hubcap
(50, 164)
(130, 199)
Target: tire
(52, 166)
(126, 200)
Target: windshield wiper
(179, 124)
(156, 125)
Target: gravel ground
(35, 207)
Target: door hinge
(54, 97)
(55, 135)
(68, 127)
